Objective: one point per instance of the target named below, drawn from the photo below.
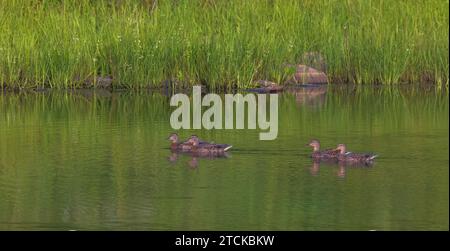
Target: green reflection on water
(100, 160)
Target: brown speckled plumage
(354, 157)
(325, 154)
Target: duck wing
(187, 143)
(332, 153)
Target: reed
(221, 44)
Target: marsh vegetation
(221, 44)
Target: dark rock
(265, 86)
(104, 82)
(265, 83)
(99, 82)
(40, 89)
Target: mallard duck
(203, 147)
(350, 157)
(176, 145)
(325, 154)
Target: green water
(100, 161)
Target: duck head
(194, 140)
(173, 138)
(315, 144)
(342, 148)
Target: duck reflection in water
(342, 170)
(195, 158)
(193, 163)
(173, 157)
(341, 165)
(314, 170)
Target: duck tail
(373, 157)
(227, 148)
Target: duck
(325, 154)
(201, 148)
(354, 158)
(176, 145)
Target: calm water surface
(99, 160)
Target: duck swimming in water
(325, 154)
(207, 148)
(354, 158)
(185, 146)
(176, 145)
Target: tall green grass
(219, 43)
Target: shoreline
(188, 89)
(169, 84)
